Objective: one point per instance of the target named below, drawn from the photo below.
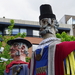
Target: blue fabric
(44, 60)
(23, 71)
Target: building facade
(31, 29)
(68, 21)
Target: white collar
(48, 40)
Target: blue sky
(29, 9)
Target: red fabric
(62, 51)
(41, 74)
(29, 64)
(12, 63)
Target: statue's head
(19, 47)
(47, 20)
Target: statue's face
(15, 49)
(46, 26)
(45, 22)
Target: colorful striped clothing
(69, 64)
(44, 66)
(51, 63)
(64, 52)
(41, 65)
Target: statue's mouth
(41, 29)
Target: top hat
(28, 44)
(46, 12)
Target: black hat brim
(47, 16)
(10, 42)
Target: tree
(6, 53)
(65, 37)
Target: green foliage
(11, 26)
(2, 67)
(0, 44)
(65, 37)
(4, 44)
(21, 35)
(28, 59)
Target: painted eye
(44, 21)
(15, 44)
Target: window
(69, 21)
(23, 30)
(6, 31)
(15, 31)
(35, 33)
(73, 21)
(0, 32)
(34, 47)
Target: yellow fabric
(70, 64)
(67, 66)
(71, 59)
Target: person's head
(19, 47)
(47, 20)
